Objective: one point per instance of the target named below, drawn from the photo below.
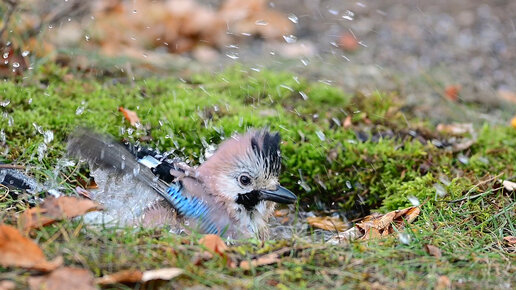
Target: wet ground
(418, 48)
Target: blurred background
(450, 60)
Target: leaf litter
(55, 209)
(378, 225)
(17, 250)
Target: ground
(346, 154)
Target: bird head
(245, 170)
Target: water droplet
(293, 17)
(25, 53)
(348, 15)
(134, 11)
(42, 148)
(439, 190)
(261, 22)
(79, 110)
(87, 37)
(321, 135)
(290, 38)
(304, 95)
(16, 64)
(333, 11)
(5, 103)
(50, 26)
(232, 55)
(463, 159)
(48, 136)
(5, 55)
(444, 179)
(404, 238)
(348, 184)
(414, 200)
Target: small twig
(476, 195)
(11, 166)
(7, 192)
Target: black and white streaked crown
(266, 146)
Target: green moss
(339, 168)
(331, 160)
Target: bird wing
(103, 152)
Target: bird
(233, 193)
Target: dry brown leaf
(509, 185)
(19, 251)
(443, 282)
(347, 122)
(83, 192)
(267, 259)
(214, 244)
(64, 279)
(378, 225)
(511, 240)
(456, 129)
(346, 236)
(55, 209)
(433, 251)
(452, 92)
(161, 274)
(125, 276)
(7, 285)
(348, 42)
(130, 116)
(327, 223)
(137, 276)
(264, 260)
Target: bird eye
(245, 180)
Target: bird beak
(280, 195)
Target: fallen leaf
(346, 236)
(507, 95)
(456, 129)
(433, 251)
(54, 209)
(83, 192)
(509, 185)
(19, 251)
(267, 259)
(327, 223)
(452, 92)
(513, 122)
(130, 116)
(348, 42)
(381, 225)
(125, 276)
(137, 276)
(161, 274)
(7, 285)
(443, 282)
(347, 122)
(264, 260)
(214, 244)
(511, 240)
(63, 279)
